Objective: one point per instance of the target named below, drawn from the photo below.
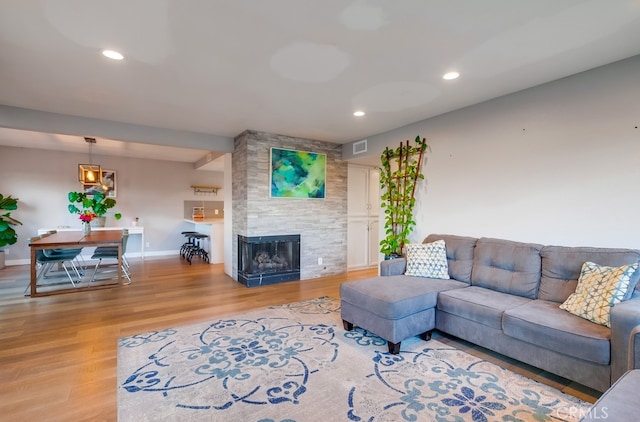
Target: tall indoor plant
(400, 172)
(8, 235)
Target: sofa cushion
(395, 297)
(427, 260)
(459, 254)
(543, 323)
(507, 266)
(484, 306)
(599, 288)
(561, 268)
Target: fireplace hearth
(266, 260)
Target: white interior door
(358, 243)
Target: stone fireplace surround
(321, 223)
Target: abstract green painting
(297, 174)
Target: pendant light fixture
(90, 174)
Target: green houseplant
(91, 207)
(8, 235)
(400, 172)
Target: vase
(86, 229)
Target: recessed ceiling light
(112, 54)
(358, 113)
(450, 75)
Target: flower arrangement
(87, 216)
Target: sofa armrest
(634, 349)
(395, 266)
(625, 318)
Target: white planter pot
(99, 221)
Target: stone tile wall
(321, 223)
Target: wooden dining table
(62, 240)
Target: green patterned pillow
(427, 260)
(598, 289)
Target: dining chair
(111, 252)
(47, 258)
(81, 264)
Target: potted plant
(91, 207)
(400, 172)
(8, 235)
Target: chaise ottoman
(619, 402)
(394, 308)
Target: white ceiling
(291, 67)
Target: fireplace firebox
(266, 260)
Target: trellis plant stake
(401, 171)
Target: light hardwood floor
(58, 353)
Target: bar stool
(189, 244)
(197, 250)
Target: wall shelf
(200, 189)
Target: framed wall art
(297, 174)
(108, 187)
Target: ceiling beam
(46, 122)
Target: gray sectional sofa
(504, 296)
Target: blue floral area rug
(295, 362)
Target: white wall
(153, 190)
(555, 164)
